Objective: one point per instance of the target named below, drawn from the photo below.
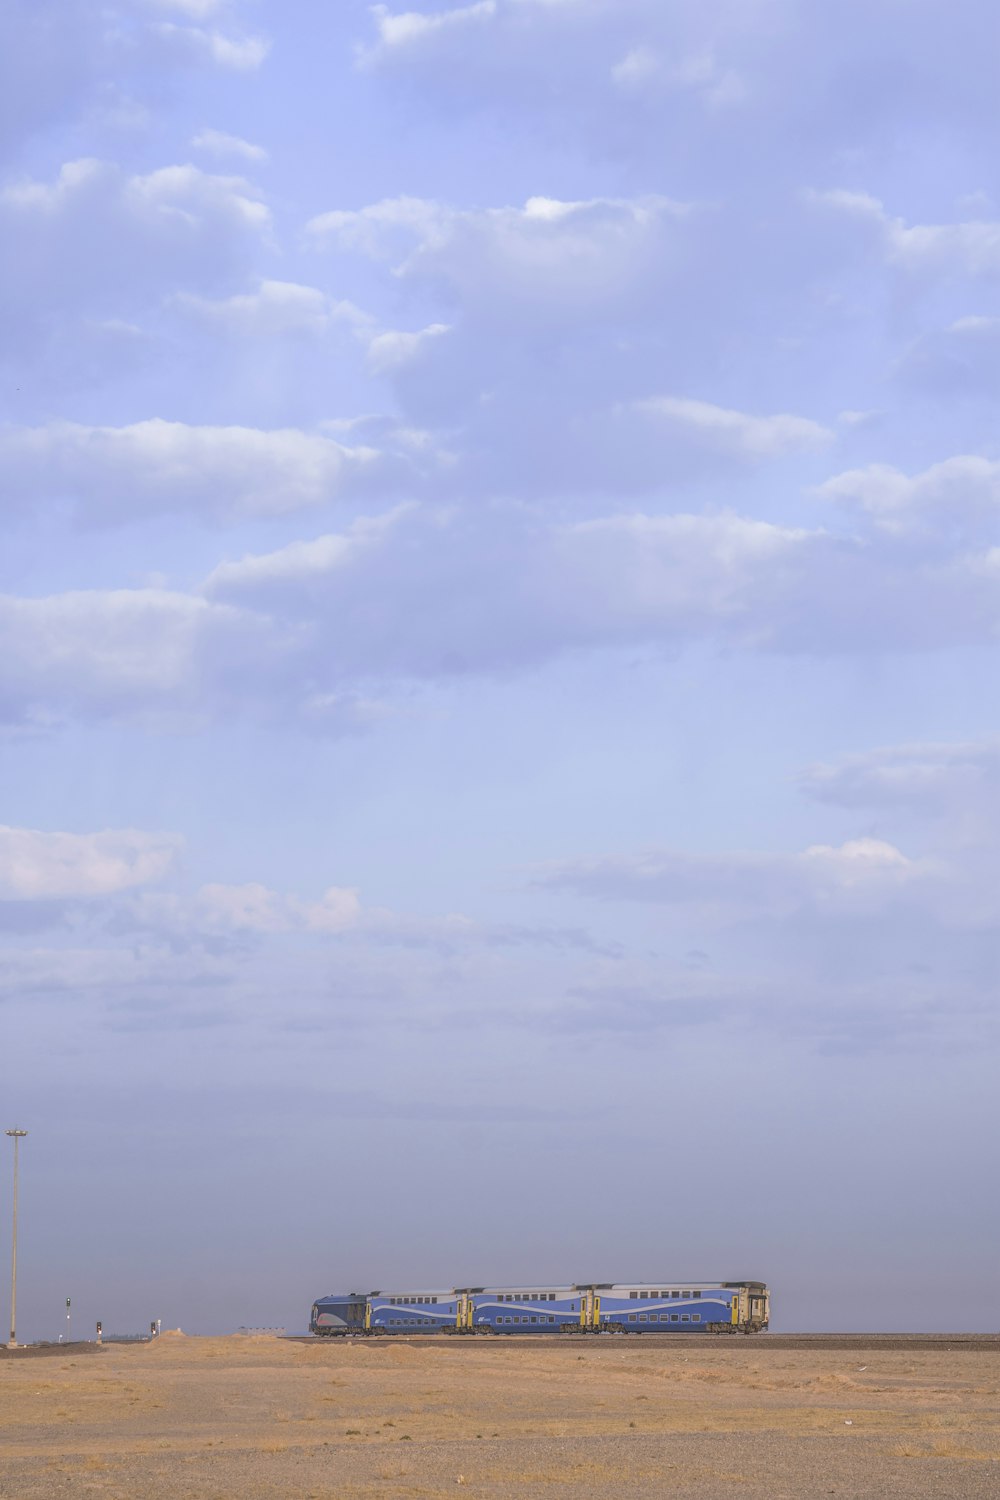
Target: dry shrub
(945, 1448)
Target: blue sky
(499, 593)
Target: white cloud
(255, 908)
(636, 574)
(934, 777)
(198, 10)
(220, 143)
(391, 351)
(402, 29)
(63, 65)
(131, 653)
(275, 308)
(368, 229)
(736, 432)
(174, 194)
(98, 242)
(163, 467)
(642, 71)
(859, 874)
(637, 67)
(186, 190)
(970, 247)
(299, 562)
(243, 54)
(959, 493)
(460, 591)
(555, 256)
(546, 331)
(41, 866)
(514, 588)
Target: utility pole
(17, 1136)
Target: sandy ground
(263, 1417)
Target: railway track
(762, 1343)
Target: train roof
(538, 1287)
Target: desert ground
(266, 1417)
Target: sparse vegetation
(219, 1417)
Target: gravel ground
(607, 1419)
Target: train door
(597, 1312)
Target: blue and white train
(593, 1307)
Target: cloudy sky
(499, 591)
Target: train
(710, 1307)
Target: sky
(499, 599)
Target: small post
(67, 1320)
(99, 1340)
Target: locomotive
(714, 1307)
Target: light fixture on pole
(17, 1137)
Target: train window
(696, 1294)
(696, 1317)
(687, 1294)
(631, 1317)
(684, 1318)
(673, 1317)
(534, 1320)
(633, 1294)
(642, 1317)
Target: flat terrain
(606, 1418)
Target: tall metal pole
(17, 1136)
